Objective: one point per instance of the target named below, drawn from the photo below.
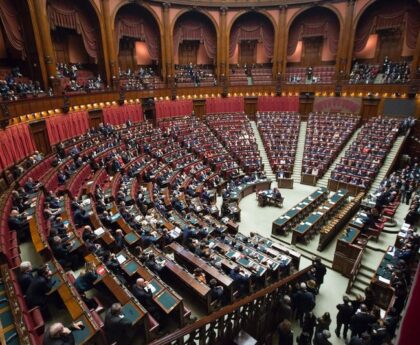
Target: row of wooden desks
(173, 270)
(287, 221)
(168, 301)
(73, 303)
(248, 188)
(193, 261)
(315, 220)
(12, 329)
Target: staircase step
(387, 163)
(323, 182)
(297, 168)
(264, 158)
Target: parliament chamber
(209, 172)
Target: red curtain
(269, 103)
(166, 109)
(195, 29)
(389, 15)
(408, 330)
(10, 19)
(16, 143)
(225, 105)
(67, 15)
(63, 127)
(134, 26)
(313, 23)
(246, 28)
(118, 115)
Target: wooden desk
(286, 183)
(285, 223)
(243, 190)
(192, 261)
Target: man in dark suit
(57, 334)
(37, 292)
(117, 326)
(239, 280)
(81, 217)
(345, 312)
(25, 277)
(20, 224)
(361, 321)
(145, 296)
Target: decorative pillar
(38, 43)
(48, 54)
(282, 41)
(416, 58)
(169, 60)
(347, 46)
(285, 39)
(224, 39)
(108, 44)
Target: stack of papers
(99, 231)
(121, 258)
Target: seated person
(31, 187)
(200, 276)
(19, 223)
(217, 292)
(241, 283)
(145, 297)
(81, 217)
(62, 252)
(25, 276)
(85, 282)
(57, 334)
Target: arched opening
(312, 46)
(195, 50)
(20, 73)
(138, 47)
(385, 42)
(251, 49)
(76, 38)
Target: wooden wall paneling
(251, 106)
(306, 104)
(39, 133)
(370, 106)
(95, 117)
(199, 107)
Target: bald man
(145, 297)
(57, 334)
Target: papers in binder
(121, 258)
(99, 231)
(151, 288)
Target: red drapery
(408, 331)
(10, 19)
(166, 109)
(133, 26)
(269, 103)
(194, 29)
(389, 15)
(225, 105)
(246, 28)
(119, 115)
(309, 24)
(63, 127)
(16, 143)
(65, 14)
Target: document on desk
(384, 280)
(121, 258)
(99, 231)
